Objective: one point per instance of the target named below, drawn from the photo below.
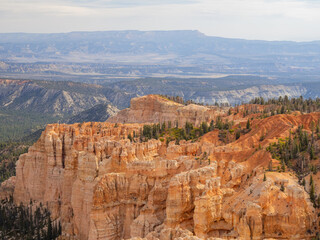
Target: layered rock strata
(157, 109)
(100, 185)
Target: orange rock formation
(102, 186)
(157, 109)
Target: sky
(296, 20)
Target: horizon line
(177, 30)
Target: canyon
(55, 98)
(101, 185)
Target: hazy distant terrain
(232, 89)
(109, 56)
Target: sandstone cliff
(103, 186)
(157, 109)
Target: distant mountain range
(102, 45)
(106, 56)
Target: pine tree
(264, 178)
(204, 127)
(312, 155)
(248, 124)
(312, 193)
(59, 229)
(163, 127)
(283, 166)
(49, 230)
(130, 137)
(211, 125)
(238, 134)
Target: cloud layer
(250, 19)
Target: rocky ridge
(245, 95)
(157, 109)
(56, 98)
(220, 90)
(103, 186)
(98, 113)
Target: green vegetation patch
(172, 132)
(299, 152)
(284, 105)
(16, 124)
(26, 222)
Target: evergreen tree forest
(299, 152)
(274, 106)
(18, 131)
(9, 154)
(169, 131)
(283, 105)
(26, 222)
(17, 124)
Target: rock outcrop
(100, 185)
(7, 188)
(157, 109)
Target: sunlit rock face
(157, 109)
(103, 186)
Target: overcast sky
(250, 19)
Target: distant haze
(295, 20)
(103, 57)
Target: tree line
(284, 104)
(172, 132)
(9, 154)
(298, 150)
(26, 222)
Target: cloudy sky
(297, 20)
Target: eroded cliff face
(102, 186)
(156, 109)
(24, 95)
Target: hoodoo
(193, 180)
